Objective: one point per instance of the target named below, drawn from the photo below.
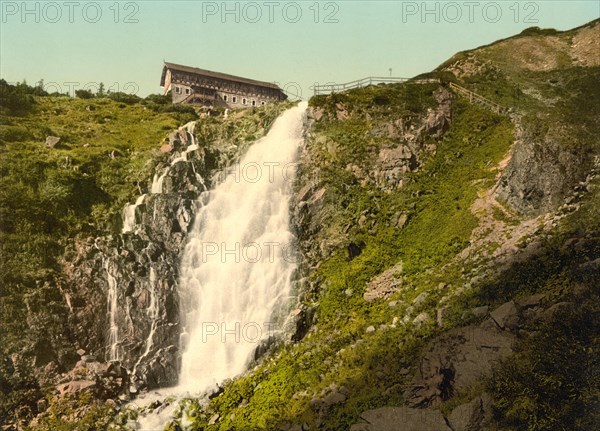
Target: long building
(208, 88)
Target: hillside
(450, 254)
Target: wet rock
(142, 265)
(162, 369)
(166, 148)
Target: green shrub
(553, 381)
(119, 96)
(14, 133)
(84, 94)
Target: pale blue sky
(362, 38)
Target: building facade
(199, 86)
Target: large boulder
(456, 360)
(475, 415)
(401, 419)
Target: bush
(536, 31)
(159, 99)
(119, 96)
(84, 94)
(552, 383)
(14, 134)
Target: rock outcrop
(139, 326)
(542, 171)
(453, 362)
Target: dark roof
(212, 74)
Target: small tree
(100, 90)
(84, 94)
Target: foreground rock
(401, 419)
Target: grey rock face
(473, 416)
(401, 419)
(542, 171)
(506, 316)
(456, 360)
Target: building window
(234, 99)
(187, 91)
(254, 103)
(177, 90)
(225, 98)
(262, 103)
(244, 101)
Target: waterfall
(113, 332)
(129, 214)
(237, 267)
(158, 179)
(153, 313)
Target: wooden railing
(365, 82)
(359, 83)
(476, 98)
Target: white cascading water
(113, 333)
(129, 221)
(157, 181)
(235, 273)
(237, 267)
(153, 312)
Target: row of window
(234, 99)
